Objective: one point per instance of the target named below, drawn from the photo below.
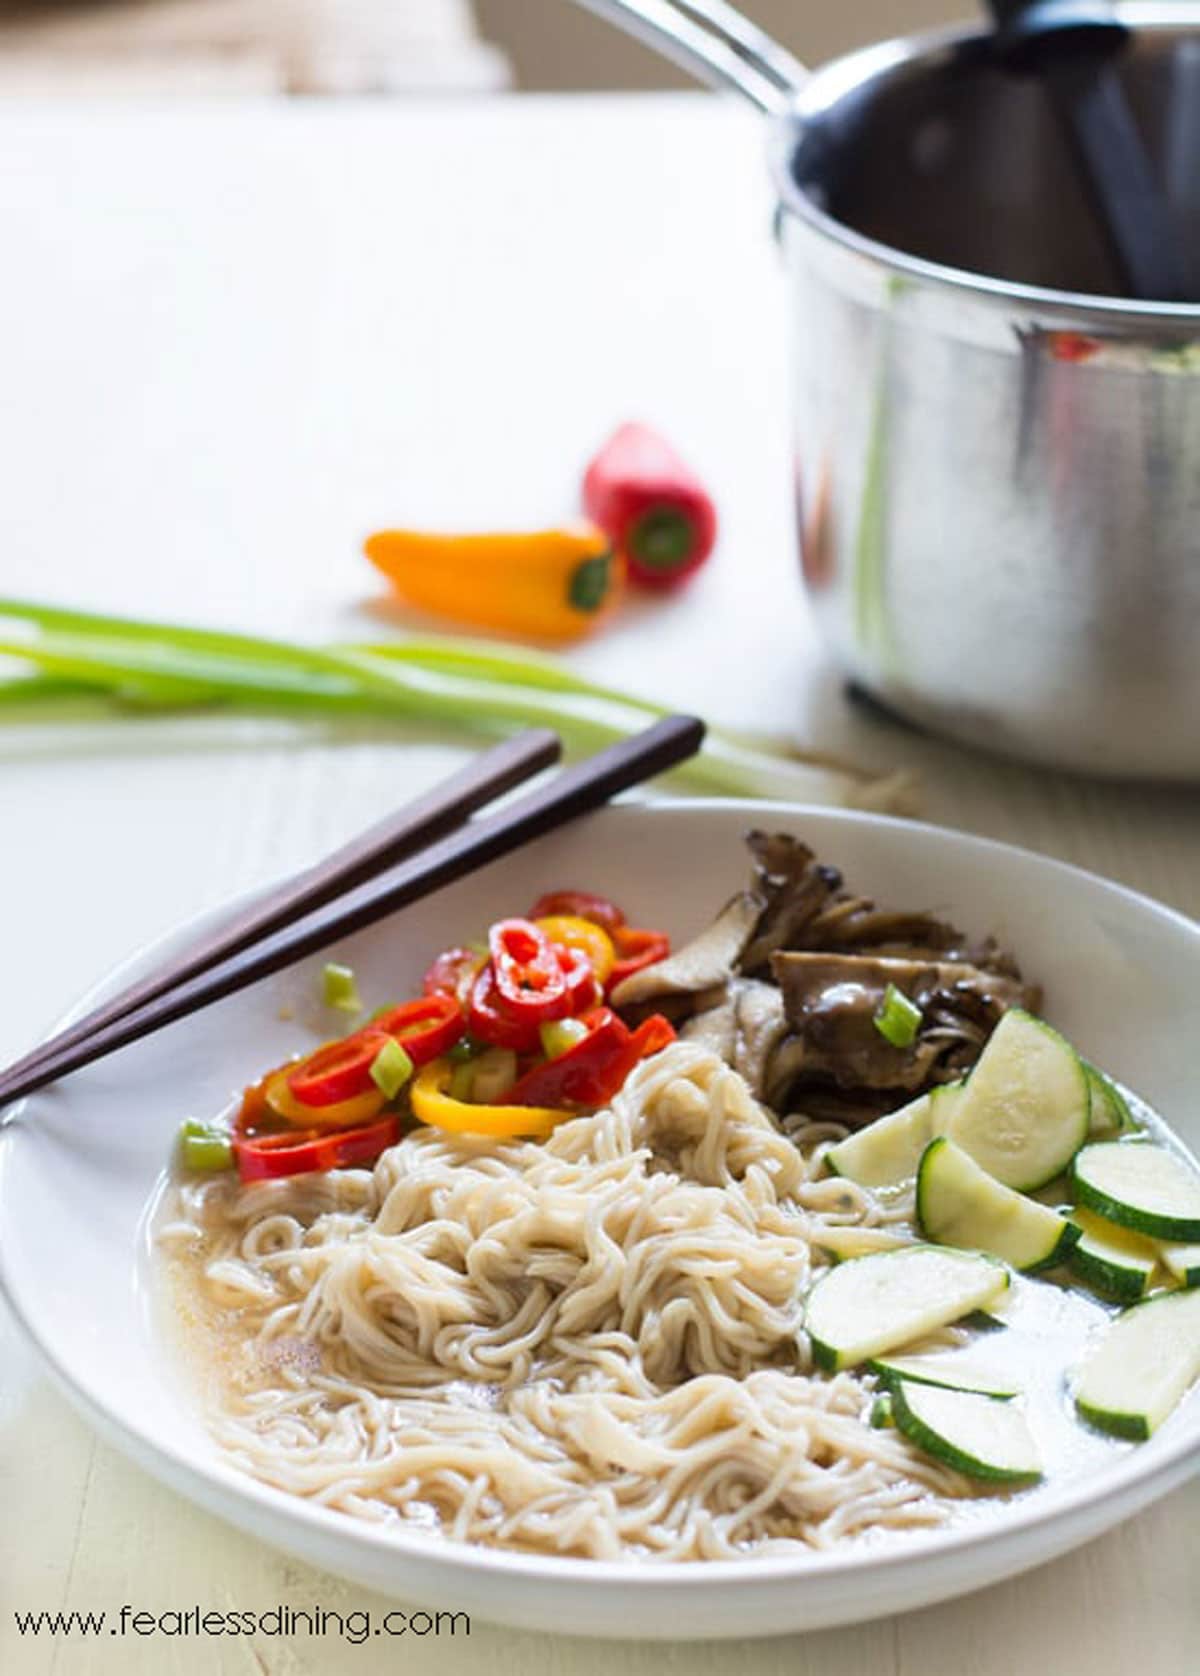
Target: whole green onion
(64, 656)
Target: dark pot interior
(952, 158)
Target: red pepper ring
(579, 975)
(453, 973)
(529, 977)
(489, 1022)
(578, 904)
(425, 1028)
(339, 1070)
(637, 947)
(301, 1152)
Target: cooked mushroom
(787, 983)
(705, 964)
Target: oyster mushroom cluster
(788, 983)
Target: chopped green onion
(494, 1074)
(391, 1068)
(462, 1081)
(562, 1035)
(881, 1412)
(464, 1049)
(339, 987)
(205, 1147)
(898, 1018)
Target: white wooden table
(232, 339)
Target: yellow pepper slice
(586, 936)
(343, 1114)
(433, 1105)
(552, 584)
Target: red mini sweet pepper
(652, 507)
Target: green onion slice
(339, 988)
(391, 1068)
(898, 1018)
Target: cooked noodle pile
(590, 1345)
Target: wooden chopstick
(573, 792)
(427, 818)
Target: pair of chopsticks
(428, 844)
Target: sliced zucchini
(1025, 1111)
(953, 1369)
(1112, 1259)
(886, 1153)
(960, 1204)
(1182, 1262)
(1141, 1186)
(874, 1304)
(1109, 1111)
(850, 1240)
(1142, 1366)
(944, 1101)
(981, 1436)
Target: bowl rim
(831, 82)
(214, 1481)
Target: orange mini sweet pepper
(550, 584)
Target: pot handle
(713, 42)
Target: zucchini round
(983, 1437)
(1140, 1186)
(960, 1204)
(870, 1305)
(1142, 1366)
(1026, 1107)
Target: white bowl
(79, 1164)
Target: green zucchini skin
(1110, 1113)
(1026, 1107)
(959, 1204)
(1123, 1286)
(1142, 1368)
(1127, 1214)
(942, 1448)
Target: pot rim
(826, 86)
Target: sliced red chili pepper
(529, 977)
(578, 904)
(583, 988)
(339, 1070)
(636, 947)
(453, 973)
(653, 1035)
(425, 1028)
(489, 1022)
(300, 1152)
(589, 1074)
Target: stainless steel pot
(997, 461)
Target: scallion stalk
(462, 685)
